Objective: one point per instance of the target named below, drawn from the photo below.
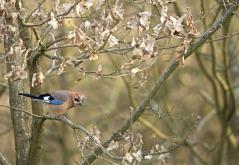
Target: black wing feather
(28, 95)
(41, 97)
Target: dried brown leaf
(37, 79)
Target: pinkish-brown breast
(60, 109)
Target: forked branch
(166, 73)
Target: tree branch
(69, 123)
(3, 160)
(167, 72)
(49, 117)
(48, 19)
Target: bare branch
(39, 5)
(57, 16)
(167, 72)
(3, 160)
(69, 123)
(165, 152)
(59, 118)
(3, 57)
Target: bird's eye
(76, 99)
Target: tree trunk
(27, 148)
(19, 119)
(37, 124)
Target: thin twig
(21, 110)
(39, 5)
(69, 123)
(3, 160)
(165, 152)
(57, 16)
(167, 72)
(4, 57)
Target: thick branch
(49, 117)
(3, 160)
(76, 126)
(69, 123)
(167, 72)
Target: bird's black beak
(80, 100)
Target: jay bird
(59, 101)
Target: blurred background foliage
(182, 109)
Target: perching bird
(59, 101)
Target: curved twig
(167, 72)
(3, 160)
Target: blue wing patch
(55, 102)
(47, 98)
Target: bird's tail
(28, 95)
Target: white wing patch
(46, 98)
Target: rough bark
(19, 119)
(37, 124)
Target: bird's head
(78, 98)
